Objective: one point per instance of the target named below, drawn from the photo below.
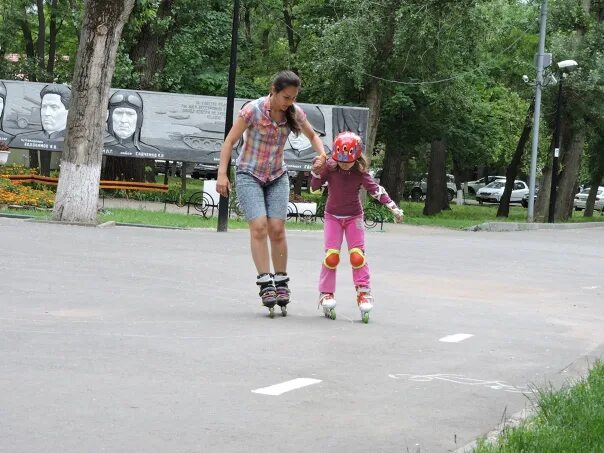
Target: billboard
(153, 125)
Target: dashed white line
(288, 386)
(456, 338)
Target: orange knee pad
(332, 258)
(357, 258)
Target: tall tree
(578, 34)
(512, 171)
(77, 192)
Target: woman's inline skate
(268, 292)
(282, 291)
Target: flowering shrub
(16, 169)
(18, 194)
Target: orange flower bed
(18, 194)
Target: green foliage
(569, 420)
(453, 68)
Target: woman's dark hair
(282, 80)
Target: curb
(57, 222)
(498, 227)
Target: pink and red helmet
(347, 147)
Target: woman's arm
(314, 139)
(223, 185)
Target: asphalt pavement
(133, 339)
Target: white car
(418, 190)
(581, 200)
(494, 191)
(475, 186)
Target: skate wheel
(271, 312)
(365, 317)
(332, 313)
(284, 311)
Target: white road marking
(456, 338)
(459, 379)
(590, 287)
(288, 386)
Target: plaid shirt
(264, 140)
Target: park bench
(104, 184)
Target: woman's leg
(250, 194)
(276, 198)
(259, 244)
(276, 234)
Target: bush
(17, 169)
(18, 194)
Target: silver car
(494, 191)
(581, 200)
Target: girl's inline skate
(365, 302)
(328, 303)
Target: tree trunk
(596, 179)
(571, 162)
(393, 172)
(436, 194)
(34, 161)
(247, 23)
(298, 181)
(78, 189)
(41, 42)
(45, 157)
(458, 172)
(289, 29)
(147, 54)
(384, 48)
(52, 42)
(545, 183)
(374, 103)
(512, 170)
(591, 198)
(30, 50)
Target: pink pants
(335, 229)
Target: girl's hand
(223, 185)
(399, 215)
(317, 165)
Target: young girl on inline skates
(345, 172)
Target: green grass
(458, 217)
(166, 219)
(569, 420)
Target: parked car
(581, 200)
(160, 167)
(475, 186)
(205, 171)
(494, 191)
(525, 199)
(418, 190)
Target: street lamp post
(538, 88)
(223, 204)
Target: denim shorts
(258, 199)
